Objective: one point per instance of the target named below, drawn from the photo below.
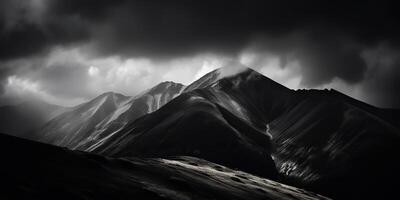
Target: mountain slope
(92, 122)
(192, 125)
(337, 146)
(56, 172)
(19, 120)
(246, 93)
(322, 140)
(221, 121)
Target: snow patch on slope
(121, 109)
(90, 112)
(226, 176)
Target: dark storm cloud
(323, 55)
(381, 82)
(26, 29)
(29, 29)
(165, 28)
(327, 38)
(173, 28)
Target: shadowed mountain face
(89, 124)
(32, 170)
(322, 140)
(21, 119)
(220, 121)
(336, 145)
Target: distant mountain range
(321, 140)
(21, 119)
(90, 124)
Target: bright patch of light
(208, 66)
(93, 71)
(21, 86)
(22, 89)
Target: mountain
(322, 140)
(220, 120)
(336, 145)
(20, 119)
(91, 123)
(32, 170)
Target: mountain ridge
(308, 131)
(321, 140)
(90, 122)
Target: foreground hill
(32, 170)
(90, 123)
(321, 140)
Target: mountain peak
(228, 71)
(166, 85)
(235, 75)
(110, 94)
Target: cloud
(28, 28)
(76, 49)
(182, 28)
(270, 65)
(93, 71)
(321, 54)
(382, 80)
(72, 75)
(17, 89)
(370, 74)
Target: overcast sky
(66, 52)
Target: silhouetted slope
(19, 120)
(337, 145)
(91, 123)
(31, 170)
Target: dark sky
(68, 51)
